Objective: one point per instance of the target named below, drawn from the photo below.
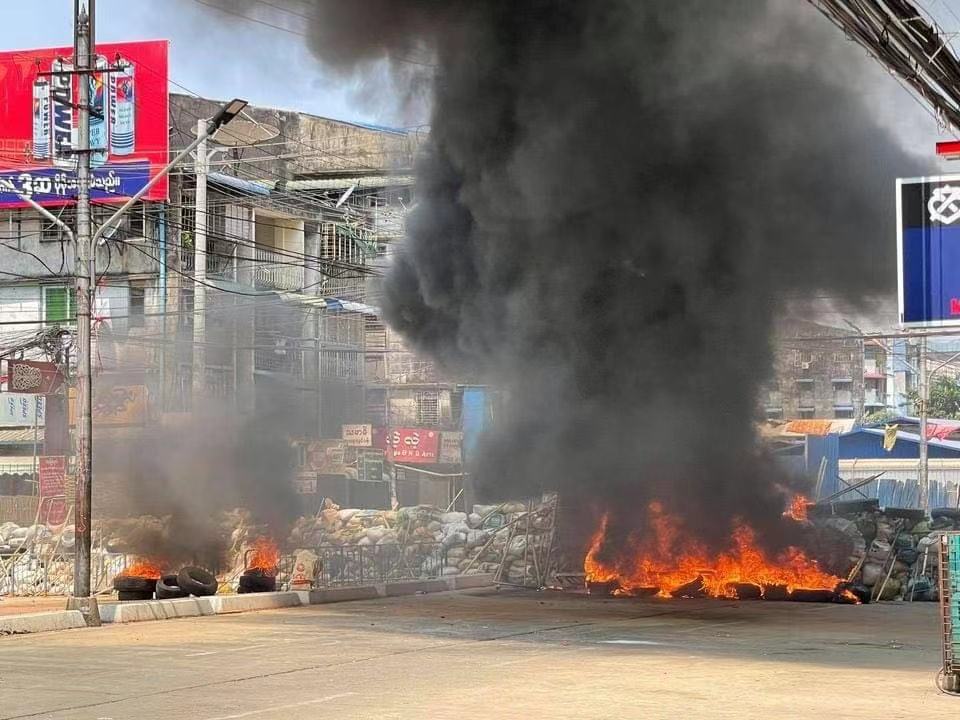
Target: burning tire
(197, 581)
(134, 584)
(168, 589)
(255, 581)
(130, 595)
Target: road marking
(277, 708)
(630, 642)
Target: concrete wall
(20, 230)
(323, 145)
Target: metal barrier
(364, 564)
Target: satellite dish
(244, 132)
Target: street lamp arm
(145, 189)
(946, 362)
(224, 116)
(8, 186)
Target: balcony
(277, 271)
(874, 399)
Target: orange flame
(144, 568)
(665, 558)
(797, 508)
(264, 556)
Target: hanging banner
(39, 123)
(30, 376)
(19, 410)
(357, 435)
(416, 446)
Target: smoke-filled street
(479, 358)
(508, 654)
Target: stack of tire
(257, 581)
(189, 581)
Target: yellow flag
(890, 436)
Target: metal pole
(200, 264)
(86, 284)
(924, 399)
(37, 399)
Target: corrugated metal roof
(344, 183)
(251, 187)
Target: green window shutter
(59, 304)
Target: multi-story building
(827, 372)
(298, 210)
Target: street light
(86, 272)
(227, 113)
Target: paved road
(484, 653)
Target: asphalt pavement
(489, 653)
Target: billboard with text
(928, 250)
(39, 123)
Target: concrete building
(819, 373)
(300, 209)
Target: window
(59, 304)
(428, 407)
(806, 414)
(51, 231)
(843, 414)
(134, 224)
(135, 309)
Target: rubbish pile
(893, 551)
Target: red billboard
(415, 446)
(39, 123)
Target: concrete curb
(124, 612)
(128, 612)
(41, 622)
(226, 604)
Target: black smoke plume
(617, 199)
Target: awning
(330, 303)
(250, 187)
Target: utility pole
(924, 398)
(200, 265)
(84, 11)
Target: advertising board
(928, 251)
(129, 137)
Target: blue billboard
(928, 250)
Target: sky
(220, 60)
(220, 56)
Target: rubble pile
(893, 550)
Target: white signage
(20, 409)
(358, 435)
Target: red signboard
(39, 121)
(30, 376)
(53, 476)
(414, 446)
(53, 488)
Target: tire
(255, 582)
(134, 595)
(197, 581)
(952, 513)
(130, 583)
(167, 588)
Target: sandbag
(453, 517)
(872, 574)
(879, 551)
